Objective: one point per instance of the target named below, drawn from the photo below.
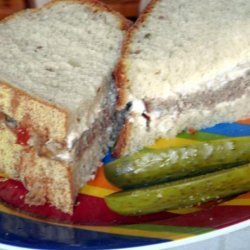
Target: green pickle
(183, 193)
(154, 166)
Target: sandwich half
(57, 96)
(185, 64)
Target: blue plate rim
(161, 246)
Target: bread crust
(22, 107)
(121, 144)
(122, 82)
(38, 179)
(99, 6)
(48, 129)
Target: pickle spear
(183, 193)
(154, 166)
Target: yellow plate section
(95, 191)
(237, 202)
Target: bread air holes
(38, 48)
(74, 62)
(50, 69)
(147, 36)
(136, 51)
(158, 72)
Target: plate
(94, 226)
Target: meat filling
(204, 99)
(107, 120)
(52, 149)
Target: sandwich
(185, 64)
(57, 96)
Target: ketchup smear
(23, 136)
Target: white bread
(66, 58)
(184, 64)
(46, 180)
(56, 82)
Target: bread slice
(56, 87)
(65, 57)
(45, 179)
(184, 64)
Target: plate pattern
(94, 226)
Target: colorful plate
(94, 226)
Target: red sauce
(23, 136)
